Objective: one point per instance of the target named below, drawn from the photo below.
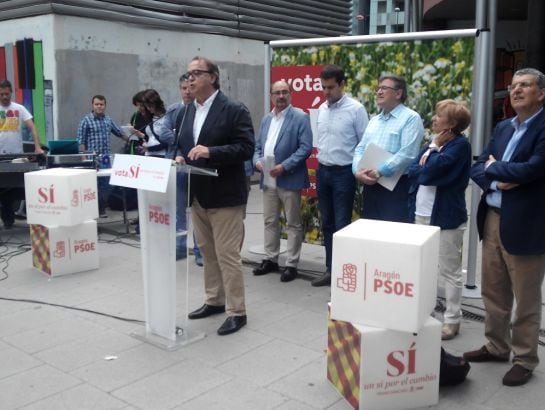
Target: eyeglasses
(279, 93)
(384, 88)
(522, 85)
(196, 73)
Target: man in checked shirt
(94, 135)
(398, 130)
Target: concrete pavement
(54, 357)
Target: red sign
(306, 94)
(305, 83)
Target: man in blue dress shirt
(398, 130)
(511, 222)
(341, 124)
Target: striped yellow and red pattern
(343, 359)
(41, 260)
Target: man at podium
(217, 132)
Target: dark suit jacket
(228, 133)
(522, 221)
(293, 147)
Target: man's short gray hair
(540, 77)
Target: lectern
(155, 179)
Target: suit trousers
(505, 278)
(219, 233)
(273, 201)
(450, 268)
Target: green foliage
(434, 69)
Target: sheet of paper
(268, 164)
(372, 158)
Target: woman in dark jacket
(439, 177)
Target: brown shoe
(517, 376)
(483, 355)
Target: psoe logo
(60, 249)
(75, 198)
(89, 195)
(349, 278)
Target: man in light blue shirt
(341, 124)
(398, 130)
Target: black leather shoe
(289, 274)
(205, 311)
(231, 325)
(267, 266)
(517, 376)
(325, 280)
(483, 355)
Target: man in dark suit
(216, 132)
(511, 222)
(282, 147)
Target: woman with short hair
(438, 180)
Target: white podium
(155, 179)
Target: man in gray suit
(282, 147)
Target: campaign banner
(140, 172)
(375, 368)
(61, 196)
(370, 287)
(434, 69)
(61, 250)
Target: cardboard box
(384, 274)
(60, 250)
(375, 368)
(61, 196)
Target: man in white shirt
(282, 147)
(217, 133)
(12, 118)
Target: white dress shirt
(274, 131)
(201, 112)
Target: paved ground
(55, 358)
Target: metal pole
(481, 91)
(407, 16)
(376, 38)
(267, 82)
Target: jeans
(181, 217)
(336, 188)
(103, 185)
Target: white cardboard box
(61, 196)
(384, 274)
(374, 368)
(60, 250)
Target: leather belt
(494, 209)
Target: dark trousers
(7, 197)
(336, 188)
(382, 204)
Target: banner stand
(155, 180)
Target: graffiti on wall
(21, 63)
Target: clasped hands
(276, 171)
(367, 176)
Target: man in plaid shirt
(94, 135)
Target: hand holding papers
(268, 180)
(372, 158)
